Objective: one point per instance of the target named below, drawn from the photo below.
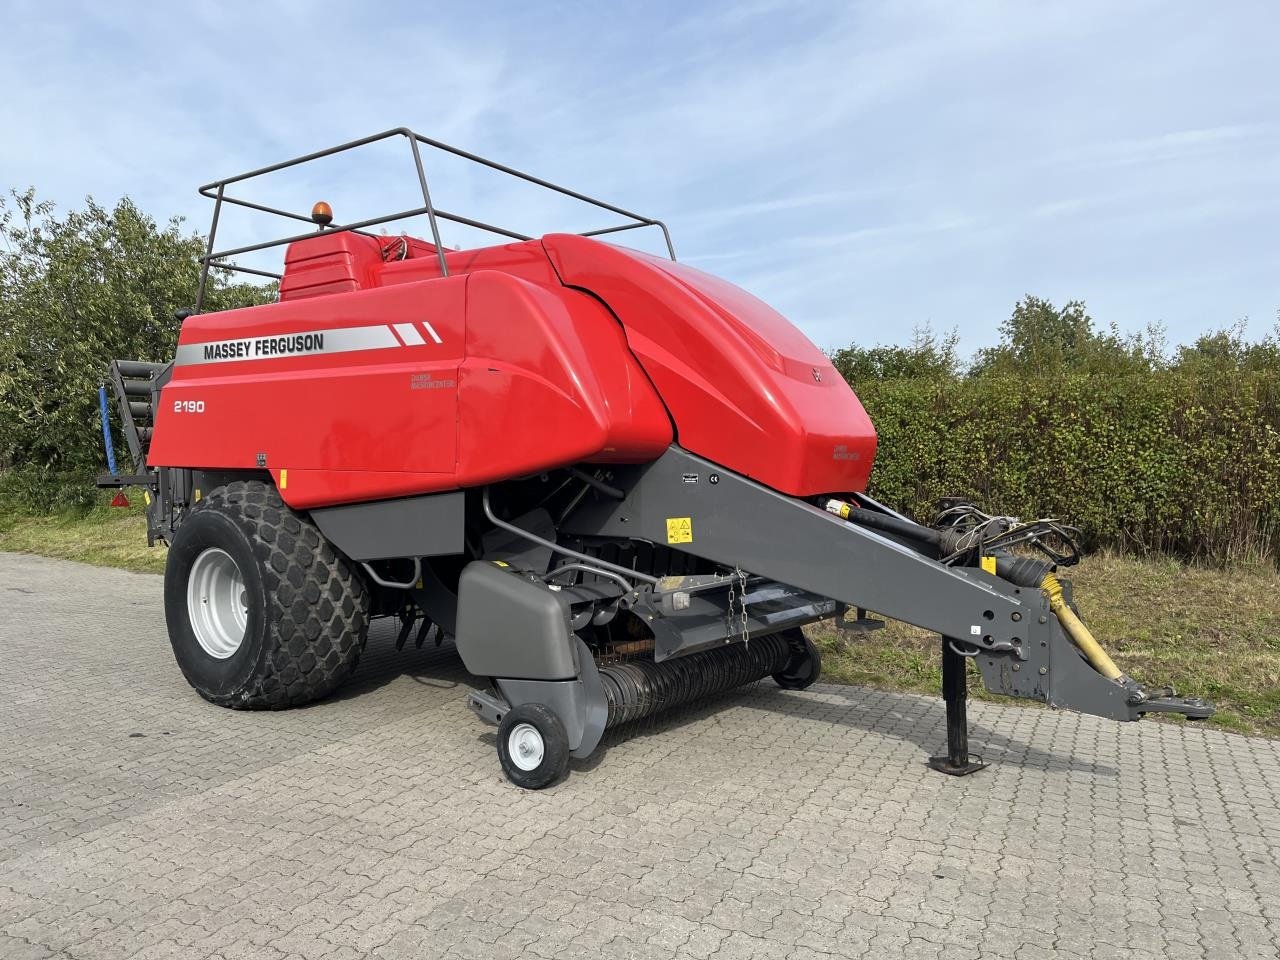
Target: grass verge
(1211, 633)
(104, 536)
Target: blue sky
(865, 167)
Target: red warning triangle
(119, 500)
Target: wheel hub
(217, 603)
(526, 746)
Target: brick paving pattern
(136, 820)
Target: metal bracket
(863, 623)
(489, 706)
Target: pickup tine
(405, 627)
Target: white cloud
(1171, 146)
(887, 163)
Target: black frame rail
(217, 192)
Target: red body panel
(375, 377)
(746, 388)
(548, 381)
(352, 412)
(524, 378)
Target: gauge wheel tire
(533, 746)
(263, 613)
(803, 667)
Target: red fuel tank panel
(745, 388)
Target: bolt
(1043, 618)
(1043, 671)
(1017, 667)
(1016, 616)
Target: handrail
(217, 191)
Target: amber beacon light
(322, 213)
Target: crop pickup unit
(617, 483)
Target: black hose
(900, 528)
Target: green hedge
(1172, 461)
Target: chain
(742, 601)
(738, 595)
(728, 613)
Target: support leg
(958, 762)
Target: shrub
(77, 291)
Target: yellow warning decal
(679, 530)
(197, 494)
(147, 497)
(284, 479)
(989, 565)
(501, 563)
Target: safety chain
(728, 613)
(742, 601)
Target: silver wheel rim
(525, 746)
(217, 603)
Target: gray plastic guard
(425, 526)
(512, 626)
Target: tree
(76, 291)
(1228, 349)
(1040, 338)
(1037, 337)
(928, 357)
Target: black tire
(804, 666)
(554, 743)
(307, 609)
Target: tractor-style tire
(263, 613)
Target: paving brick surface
(136, 820)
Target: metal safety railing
(217, 192)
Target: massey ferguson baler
(616, 483)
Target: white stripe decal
(409, 334)
(432, 331)
(306, 343)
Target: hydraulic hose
(1024, 571)
(884, 523)
(1079, 633)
